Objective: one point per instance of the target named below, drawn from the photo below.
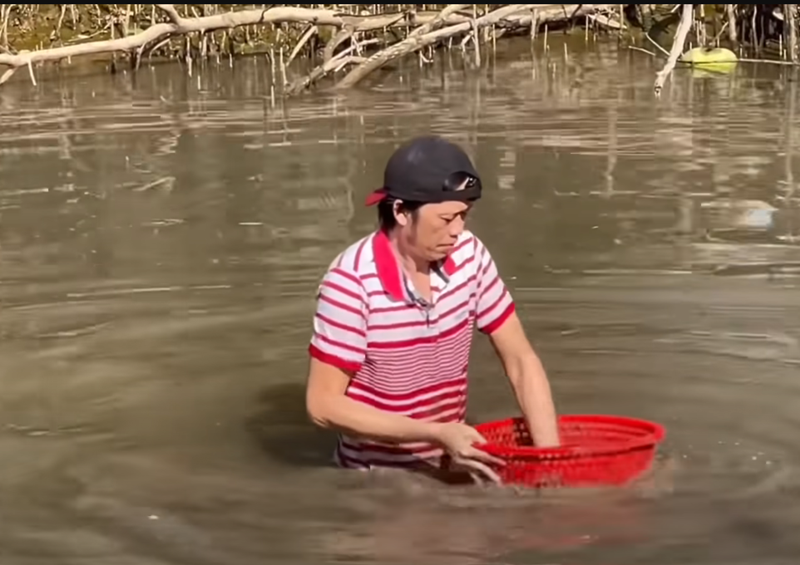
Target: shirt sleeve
(340, 321)
(495, 303)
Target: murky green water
(161, 238)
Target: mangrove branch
(687, 17)
(422, 29)
(354, 41)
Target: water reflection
(162, 237)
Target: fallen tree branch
(178, 25)
(457, 21)
(335, 64)
(336, 41)
(556, 13)
(425, 36)
(430, 27)
(419, 38)
(405, 19)
(307, 35)
(677, 48)
(438, 21)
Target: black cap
(419, 171)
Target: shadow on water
(280, 426)
(162, 237)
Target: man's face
(434, 229)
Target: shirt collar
(388, 268)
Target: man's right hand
(459, 441)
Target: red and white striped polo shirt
(408, 357)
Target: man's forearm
(532, 390)
(358, 419)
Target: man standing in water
(394, 323)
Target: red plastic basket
(596, 450)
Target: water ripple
(163, 239)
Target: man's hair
(386, 217)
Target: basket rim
(656, 435)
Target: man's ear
(401, 217)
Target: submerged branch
(677, 48)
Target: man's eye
(449, 219)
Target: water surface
(162, 235)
